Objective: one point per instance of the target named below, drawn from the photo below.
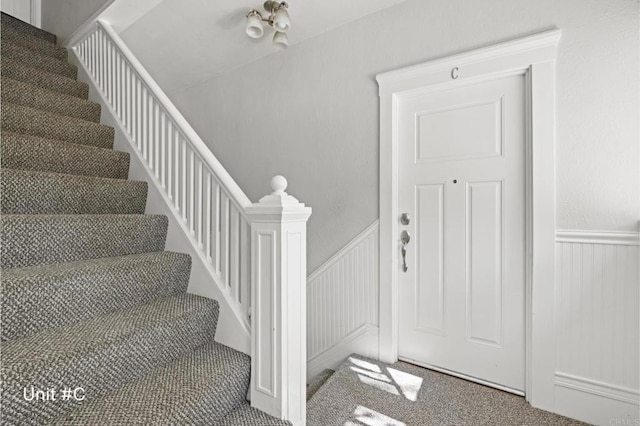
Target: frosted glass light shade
(280, 39)
(254, 26)
(281, 20)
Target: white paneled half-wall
(342, 304)
(598, 326)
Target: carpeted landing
(367, 392)
(90, 301)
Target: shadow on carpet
(367, 392)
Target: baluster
(206, 214)
(224, 238)
(92, 51)
(244, 295)
(150, 131)
(183, 183)
(234, 252)
(170, 160)
(120, 87)
(199, 201)
(215, 225)
(163, 149)
(139, 104)
(110, 76)
(176, 162)
(157, 143)
(128, 100)
(101, 61)
(192, 181)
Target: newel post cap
(278, 206)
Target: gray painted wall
(311, 112)
(63, 17)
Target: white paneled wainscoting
(342, 304)
(598, 326)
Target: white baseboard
(596, 402)
(363, 341)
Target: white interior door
(461, 179)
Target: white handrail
(225, 179)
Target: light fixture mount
(277, 17)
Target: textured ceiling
(183, 43)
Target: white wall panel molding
(597, 305)
(598, 237)
(342, 298)
(607, 390)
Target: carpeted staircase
(89, 298)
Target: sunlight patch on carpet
(371, 374)
(409, 384)
(369, 417)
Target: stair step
(25, 152)
(317, 382)
(17, 24)
(102, 354)
(199, 388)
(41, 78)
(37, 59)
(247, 415)
(76, 291)
(25, 94)
(21, 119)
(33, 42)
(29, 240)
(29, 192)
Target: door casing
(534, 57)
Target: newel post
(278, 295)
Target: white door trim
(533, 56)
(36, 13)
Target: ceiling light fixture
(278, 19)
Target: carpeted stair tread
(317, 382)
(30, 192)
(29, 240)
(75, 291)
(101, 354)
(26, 120)
(199, 388)
(41, 78)
(25, 94)
(26, 152)
(43, 46)
(36, 59)
(26, 28)
(246, 415)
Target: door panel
(429, 290)
(461, 177)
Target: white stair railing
(254, 252)
(209, 202)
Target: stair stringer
(231, 331)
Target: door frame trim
(534, 56)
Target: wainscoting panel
(597, 303)
(342, 303)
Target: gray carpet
(89, 299)
(367, 392)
